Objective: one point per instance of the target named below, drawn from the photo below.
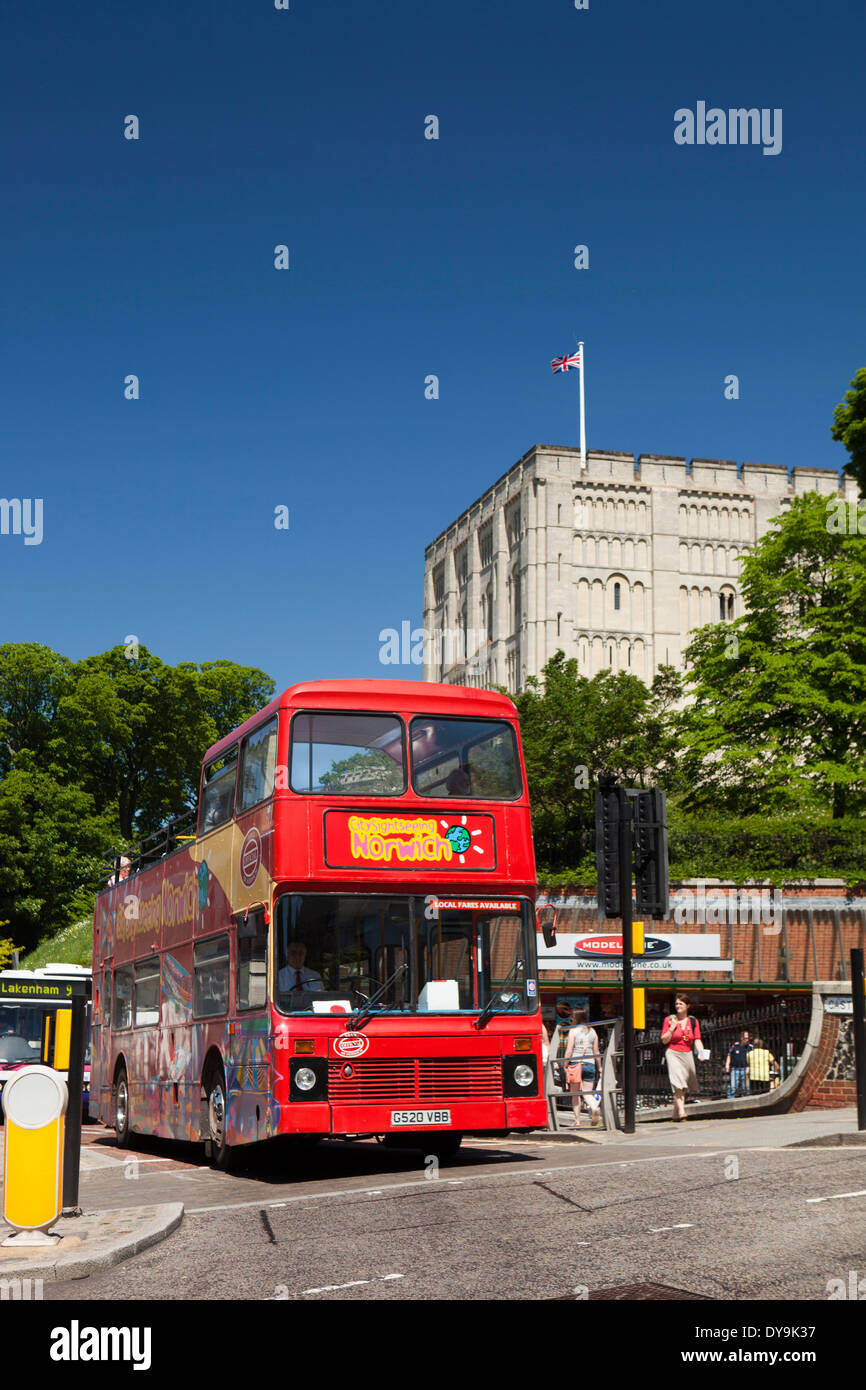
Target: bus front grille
(406, 1080)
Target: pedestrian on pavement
(762, 1065)
(737, 1066)
(583, 1067)
(681, 1033)
(561, 1028)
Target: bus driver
(294, 975)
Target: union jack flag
(562, 364)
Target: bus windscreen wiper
(356, 1021)
(498, 997)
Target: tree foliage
(97, 752)
(576, 729)
(777, 719)
(849, 427)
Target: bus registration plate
(420, 1117)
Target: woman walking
(680, 1035)
(583, 1066)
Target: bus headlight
(308, 1078)
(519, 1075)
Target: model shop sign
(686, 951)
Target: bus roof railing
(155, 846)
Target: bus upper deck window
(218, 791)
(471, 758)
(347, 754)
(258, 766)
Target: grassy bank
(72, 945)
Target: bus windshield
(446, 955)
(20, 1033)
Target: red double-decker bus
(344, 943)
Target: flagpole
(582, 413)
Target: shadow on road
(296, 1160)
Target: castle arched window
(617, 590)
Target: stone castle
(614, 563)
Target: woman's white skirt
(681, 1070)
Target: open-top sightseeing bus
(343, 943)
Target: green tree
(849, 427)
(52, 843)
(135, 731)
(777, 722)
(33, 681)
(229, 693)
(575, 729)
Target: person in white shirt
(295, 977)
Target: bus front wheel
(121, 1109)
(217, 1115)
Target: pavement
(92, 1242)
(802, 1129)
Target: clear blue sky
(408, 257)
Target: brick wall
(827, 1083)
(799, 954)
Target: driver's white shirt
(287, 979)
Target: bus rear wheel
(217, 1117)
(121, 1109)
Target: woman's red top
(685, 1034)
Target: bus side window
(258, 766)
(252, 968)
(211, 977)
(122, 1016)
(218, 791)
(147, 991)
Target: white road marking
(353, 1284)
(834, 1196)
(682, 1226)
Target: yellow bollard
(34, 1103)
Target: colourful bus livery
(343, 944)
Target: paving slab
(90, 1243)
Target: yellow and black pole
(629, 1056)
(638, 994)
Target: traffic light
(650, 853)
(611, 807)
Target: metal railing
(559, 1095)
(782, 1027)
(164, 841)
